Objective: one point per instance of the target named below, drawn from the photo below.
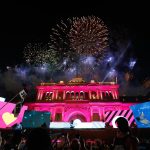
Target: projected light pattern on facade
(7, 117)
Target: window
(58, 117)
(96, 117)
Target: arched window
(107, 95)
(111, 96)
(72, 95)
(103, 95)
(67, 95)
(81, 95)
(60, 95)
(77, 96)
(47, 96)
(93, 95)
(86, 96)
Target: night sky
(24, 22)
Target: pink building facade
(79, 100)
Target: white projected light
(77, 123)
(2, 99)
(114, 120)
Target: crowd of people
(42, 139)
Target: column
(117, 94)
(64, 95)
(101, 95)
(53, 114)
(56, 94)
(91, 117)
(79, 95)
(74, 96)
(112, 92)
(63, 114)
(53, 95)
(83, 95)
(97, 94)
(103, 114)
(41, 95)
(38, 95)
(90, 94)
(100, 114)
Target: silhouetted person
(22, 143)
(124, 139)
(44, 125)
(75, 144)
(71, 124)
(82, 143)
(38, 139)
(7, 145)
(0, 139)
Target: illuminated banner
(141, 114)
(34, 119)
(7, 118)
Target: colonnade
(76, 95)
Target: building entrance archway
(77, 115)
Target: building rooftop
(77, 81)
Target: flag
(17, 109)
(23, 94)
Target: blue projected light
(141, 114)
(34, 119)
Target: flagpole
(8, 101)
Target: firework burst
(77, 37)
(70, 40)
(38, 54)
(88, 35)
(30, 52)
(44, 58)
